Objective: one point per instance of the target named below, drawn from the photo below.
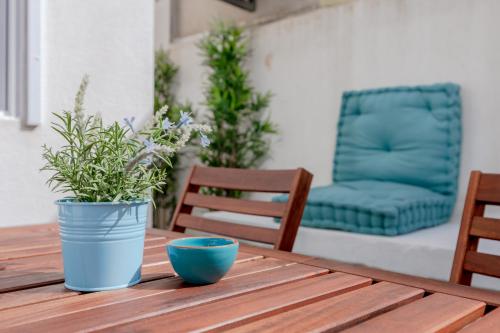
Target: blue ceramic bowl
(202, 260)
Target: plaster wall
(110, 40)
(308, 60)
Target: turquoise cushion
(396, 163)
(375, 207)
(408, 135)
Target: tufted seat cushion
(375, 207)
(396, 162)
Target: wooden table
(266, 290)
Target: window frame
(4, 57)
(23, 61)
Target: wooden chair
(294, 182)
(484, 189)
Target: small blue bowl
(202, 260)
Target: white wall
(110, 40)
(307, 61)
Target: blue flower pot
(202, 260)
(102, 243)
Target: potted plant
(110, 172)
(241, 129)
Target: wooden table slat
(435, 313)
(339, 312)
(490, 323)
(491, 297)
(167, 295)
(30, 247)
(20, 242)
(29, 252)
(35, 295)
(8, 232)
(242, 309)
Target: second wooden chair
(294, 182)
(484, 189)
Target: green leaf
(92, 163)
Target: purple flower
(149, 145)
(130, 123)
(205, 141)
(166, 124)
(185, 119)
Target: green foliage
(100, 163)
(240, 137)
(165, 73)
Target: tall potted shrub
(110, 172)
(241, 129)
(165, 74)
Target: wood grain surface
(265, 291)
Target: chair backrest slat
(489, 189)
(278, 181)
(294, 182)
(484, 189)
(482, 263)
(263, 235)
(484, 227)
(251, 207)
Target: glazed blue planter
(202, 260)
(102, 243)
